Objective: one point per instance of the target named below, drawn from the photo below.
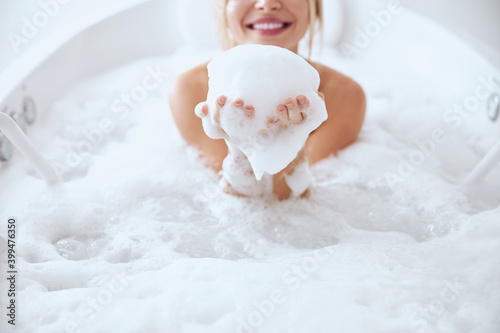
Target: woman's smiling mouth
(268, 26)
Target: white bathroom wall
(477, 22)
(479, 18)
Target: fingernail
(221, 100)
(203, 111)
(249, 111)
(272, 120)
(238, 102)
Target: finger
(294, 113)
(219, 104)
(282, 112)
(296, 117)
(238, 103)
(303, 102)
(271, 121)
(290, 104)
(217, 116)
(221, 101)
(201, 110)
(250, 111)
(303, 115)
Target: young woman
(281, 23)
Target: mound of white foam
(264, 77)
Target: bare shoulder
(336, 84)
(344, 97)
(188, 89)
(191, 84)
(346, 106)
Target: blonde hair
(227, 41)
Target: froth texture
(140, 236)
(264, 77)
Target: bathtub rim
(15, 73)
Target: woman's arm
(189, 89)
(346, 105)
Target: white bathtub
(139, 237)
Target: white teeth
(268, 26)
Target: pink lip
(268, 26)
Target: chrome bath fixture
(15, 134)
(22, 119)
(5, 148)
(29, 110)
(493, 107)
(13, 126)
(492, 158)
(5, 145)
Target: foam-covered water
(139, 237)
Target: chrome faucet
(5, 145)
(22, 119)
(5, 148)
(492, 158)
(493, 105)
(12, 128)
(29, 110)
